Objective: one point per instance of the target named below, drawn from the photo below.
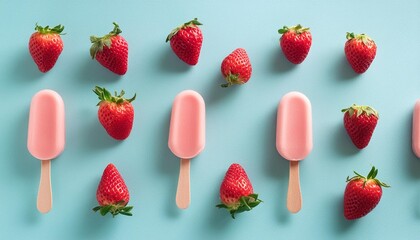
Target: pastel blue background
(240, 120)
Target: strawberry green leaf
(349, 35)
(98, 43)
(105, 96)
(298, 29)
(221, 205)
(359, 110)
(232, 79)
(97, 208)
(114, 209)
(283, 30)
(246, 203)
(126, 213)
(192, 23)
(104, 210)
(371, 176)
(47, 30)
(365, 39)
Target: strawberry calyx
(105, 96)
(371, 176)
(98, 43)
(232, 79)
(359, 110)
(47, 30)
(360, 37)
(245, 203)
(298, 29)
(114, 209)
(193, 23)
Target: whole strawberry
(360, 122)
(360, 51)
(45, 46)
(362, 194)
(115, 113)
(112, 193)
(186, 41)
(236, 192)
(295, 43)
(236, 68)
(111, 51)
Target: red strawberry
(186, 41)
(362, 194)
(115, 113)
(45, 46)
(360, 122)
(236, 68)
(295, 43)
(111, 51)
(112, 193)
(360, 51)
(236, 191)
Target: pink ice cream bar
(416, 129)
(46, 139)
(294, 140)
(186, 137)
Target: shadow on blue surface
(276, 166)
(342, 224)
(280, 64)
(25, 164)
(168, 164)
(344, 70)
(413, 163)
(216, 93)
(25, 68)
(342, 141)
(416, 205)
(219, 219)
(93, 224)
(94, 137)
(90, 72)
(171, 63)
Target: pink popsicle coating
(187, 126)
(416, 129)
(46, 130)
(294, 126)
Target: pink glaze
(187, 128)
(416, 129)
(46, 131)
(294, 126)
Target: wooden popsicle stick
(294, 195)
(44, 201)
(183, 194)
